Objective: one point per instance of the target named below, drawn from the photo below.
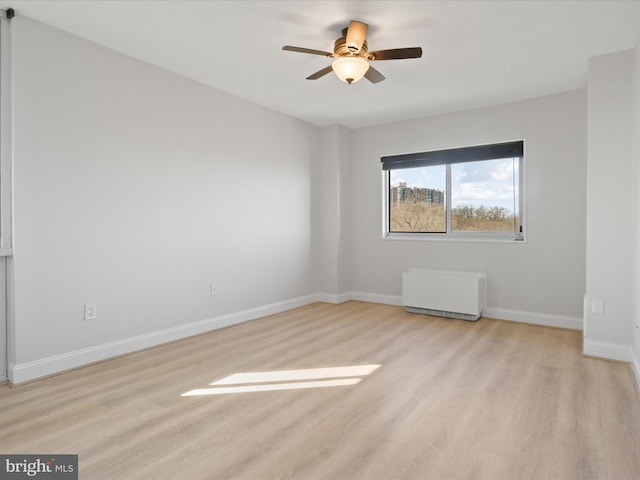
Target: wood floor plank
(450, 400)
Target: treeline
(424, 217)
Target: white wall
(636, 207)
(135, 189)
(609, 206)
(542, 279)
(331, 183)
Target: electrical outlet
(90, 311)
(597, 306)
(214, 290)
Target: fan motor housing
(340, 48)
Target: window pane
(484, 196)
(417, 200)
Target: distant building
(402, 193)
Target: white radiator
(459, 295)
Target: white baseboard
(360, 296)
(24, 372)
(333, 297)
(611, 351)
(561, 321)
(376, 298)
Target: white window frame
(457, 235)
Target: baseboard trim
(376, 298)
(610, 351)
(547, 320)
(333, 298)
(28, 371)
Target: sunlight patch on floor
(290, 375)
(273, 387)
(295, 380)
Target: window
(470, 192)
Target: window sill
(441, 237)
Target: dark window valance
(454, 155)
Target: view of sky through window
(489, 182)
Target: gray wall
(136, 189)
(609, 205)
(636, 208)
(331, 180)
(545, 275)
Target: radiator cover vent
(442, 313)
(460, 295)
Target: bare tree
(417, 217)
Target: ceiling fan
(352, 56)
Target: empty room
(319, 240)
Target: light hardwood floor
(451, 400)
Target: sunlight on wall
(259, 381)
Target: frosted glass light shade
(350, 69)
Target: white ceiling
(475, 53)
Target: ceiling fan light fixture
(350, 69)
(352, 55)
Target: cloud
(503, 171)
(488, 183)
(424, 177)
(483, 191)
(483, 183)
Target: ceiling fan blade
(395, 54)
(373, 75)
(289, 48)
(320, 73)
(356, 35)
